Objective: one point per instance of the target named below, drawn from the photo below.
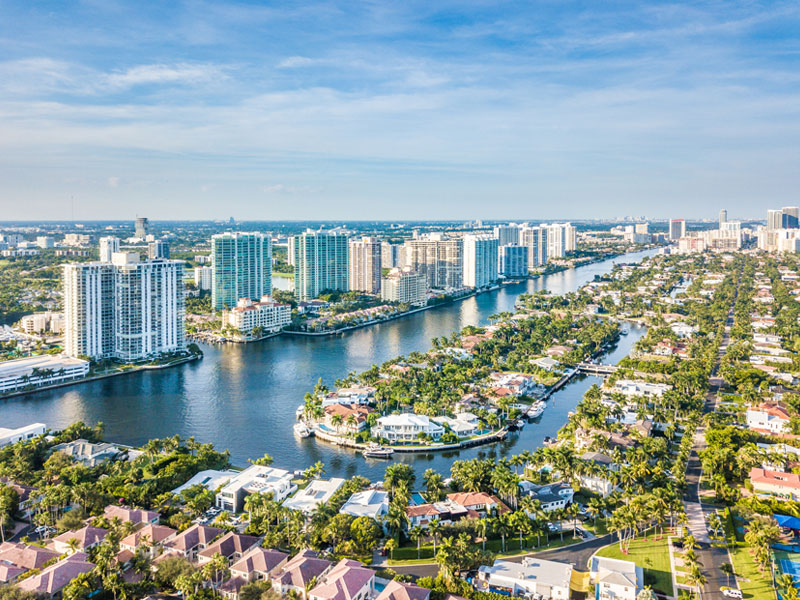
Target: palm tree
(416, 534)
(696, 578)
(434, 528)
(391, 546)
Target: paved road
(576, 554)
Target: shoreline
(139, 369)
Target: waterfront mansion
(407, 427)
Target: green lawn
(754, 584)
(650, 554)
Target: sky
(397, 110)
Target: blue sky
(398, 110)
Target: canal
(243, 397)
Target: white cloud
(162, 73)
(295, 61)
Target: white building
(531, 578)
(463, 425)
(616, 579)
(45, 242)
(506, 234)
(108, 246)
(365, 265)
(269, 315)
(89, 310)
(36, 371)
(149, 307)
(630, 387)
(769, 417)
(20, 434)
(255, 479)
(438, 258)
(677, 229)
(535, 240)
(479, 260)
(512, 260)
(406, 428)
(42, 322)
(315, 493)
(203, 277)
(405, 286)
(369, 503)
(560, 239)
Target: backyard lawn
(650, 554)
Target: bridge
(593, 369)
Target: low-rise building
(407, 427)
(257, 564)
(348, 580)
(150, 537)
(81, 540)
(314, 494)
(51, 580)
(615, 579)
(192, 541)
(255, 479)
(369, 503)
(134, 515)
(16, 559)
(37, 371)
(775, 484)
(21, 434)
(397, 590)
(530, 578)
(257, 318)
(231, 545)
(89, 453)
(552, 496)
(300, 572)
(768, 417)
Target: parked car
(731, 593)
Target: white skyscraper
(506, 234)
(535, 240)
(438, 258)
(108, 245)
(405, 286)
(480, 260)
(365, 265)
(89, 310)
(149, 307)
(774, 220)
(677, 229)
(203, 277)
(560, 239)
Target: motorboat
(301, 431)
(377, 452)
(300, 411)
(536, 409)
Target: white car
(731, 593)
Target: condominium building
(242, 267)
(791, 217)
(203, 277)
(479, 260)
(512, 260)
(320, 263)
(405, 286)
(77, 239)
(677, 229)
(438, 258)
(560, 239)
(723, 217)
(506, 234)
(140, 227)
(535, 240)
(37, 371)
(108, 245)
(89, 310)
(158, 249)
(45, 241)
(126, 309)
(267, 315)
(149, 307)
(390, 255)
(365, 265)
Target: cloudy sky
(397, 110)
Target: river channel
(243, 397)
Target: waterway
(243, 396)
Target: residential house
(480, 502)
(299, 572)
(775, 484)
(51, 580)
(600, 481)
(353, 417)
(397, 590)
(16, 559)
(769, 417)
(348, 580)
(89, 453)
(150, 537)
(407, 427)
(255, 479)
(315, 493)
(256, 564)
(530, 578)
(464, 424)
(87, 537)
(231, 545)
(195, 539)
(369, 503)
(134, 515)
(445, 511)
(28, 497)
(615, 579)
(551, 496)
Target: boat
(299, 412)
(520, 424)
(377, 452)
(536, 409)
(300, 430)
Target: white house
(552, 496)
(616, 579)
(369, 503)
(531, 578)
(314, 494)
(683, 330)
(406, 427)
(464, 425)
(19, 434)
(769, 417)
(255, 479)
(630, 387)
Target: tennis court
(792, 567)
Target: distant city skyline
(397, 111)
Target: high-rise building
(365, 265)
(89, 310)
(677, 229)
(479, 260)
(140, 227)
(512, 260)
(641, 228)
(774, 220)
(560, 239)
(390, 255)
(535, 240)
(157, 249)
(108, 246)
(791, 217)
(405, 286)
(290, 251)
(242, 264)
(203, 277)
(45, 241)
(438, 258)
(506, 234)
(149, 307)
(723, 217)
(320, 263)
